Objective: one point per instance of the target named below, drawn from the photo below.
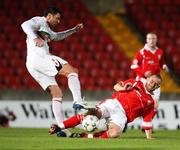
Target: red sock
(73, 121)
(103, 134)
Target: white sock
(58, 110)
(61, 125)
(74, 86)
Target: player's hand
(147, 74)
(38, 42)
(119, 86)
(165, 68)
(79, 27)
(128, 86)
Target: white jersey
(30, 27)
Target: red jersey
(137, 102)
(146, 60)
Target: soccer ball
(90, 123)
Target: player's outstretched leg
(82, 105)
(74, 86)
(69, 123)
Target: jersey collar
(150, 49)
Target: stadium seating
(130, 43)
(92, 51)
(162, 17)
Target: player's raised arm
(30, 27)
(62, 35)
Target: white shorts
(44, 69)
(113, 111)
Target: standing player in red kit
(133, 99)
(149, 60)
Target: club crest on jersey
(44, 35)
(150, 62)
(149, 102)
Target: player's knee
(114, 130)
(73, 70)
(114, 133)
(72, 73)
(68, 70)
(55, 91)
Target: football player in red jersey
(149, 60)
(133, 99)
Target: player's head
(53, 15)
(153, 82)
(151, 40)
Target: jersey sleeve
(56, 36)
(136, 63)
(147, 119)
(162, 60)
(30, 27)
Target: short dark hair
(52, 10)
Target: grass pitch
(38, 139)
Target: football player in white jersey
(43, 66)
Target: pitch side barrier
(38, 114)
